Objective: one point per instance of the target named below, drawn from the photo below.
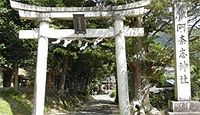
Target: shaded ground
(101, 105)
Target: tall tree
(10, 24)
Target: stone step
(183, 113)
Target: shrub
(160, 100)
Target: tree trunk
(141, 87)
(1, 77)
(137, 79)
(145, 99)
(116, 98)
(51, 80)
(16, 77)
(63, 75)
(135, 65)
(7, 77)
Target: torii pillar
(41, 68)
(122, 78)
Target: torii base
(184, 108)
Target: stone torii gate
(45, 14)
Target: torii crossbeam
(69, 33)
(32, 12)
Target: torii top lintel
(33, 12)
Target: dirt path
(101, 105)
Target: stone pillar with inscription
(182, 68)
(183, 104)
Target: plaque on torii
(43, 33)
(79, 23)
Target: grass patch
(17, 102)
(64, 102)
(5, 108)
(14, 102)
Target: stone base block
(184, 106)
(183, 113)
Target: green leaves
(14, 51)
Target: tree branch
(159, 29)
(193, 38)
(190, 32)
(166, 44)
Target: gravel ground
(101, 105)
